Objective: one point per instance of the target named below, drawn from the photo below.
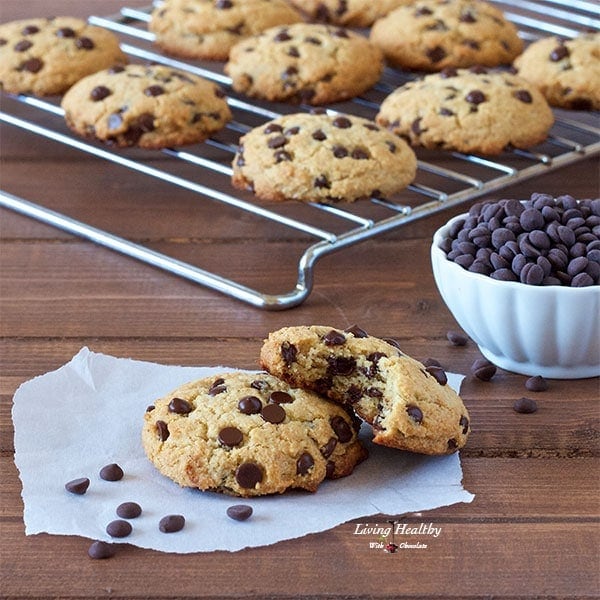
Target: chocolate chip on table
(119, 528)
(536, 384)
(78, 486)
(129, 510)
(483, 369)
(239, 512)
(457, 338)
(525, 405)
(100, 550)
(111, 472)
(171, 523)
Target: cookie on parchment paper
(147, 106)
(207, 29)
(409, 406)
(46, 57)
(250, 434)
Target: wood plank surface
(533, 529)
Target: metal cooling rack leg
(166, 263)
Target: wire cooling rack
(440, 184)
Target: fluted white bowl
(552, 331)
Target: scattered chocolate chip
(523, 96)
(483, 369)
(223, 4)
(273, 413)
(162, 429)
(339, 151)
(33, 65)
(249, 405)
(180, 406)
(436, 54)
(452, 444)
(154, 90)
(277, 141)
(282, 36)
(304, 463)
(99, 93)
(218, 387)
(475, 97)
(112, 472)
(329, 469)
(342, 122)
(116, 69)
(457, 338)
(272, 128)
(85, 43)
(342, 430)
(536, 384)
(288, 353)
(239, 512)
(279, 397)
(22, 46)
(78, 486)
(415, 413)
(171, 523)
(101, 550)
(230, 436)
(322, 182)
(129, 510)
(65, 32)
(30, 30)
(559, 53)
(334, 338)
(249, 474)
(357, 332)
(329, 447)
(119, 528)
(341, 365)
(438, 374)
(525, 405)
(319, 135)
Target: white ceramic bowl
(552, 331)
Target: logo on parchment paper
(395, 536)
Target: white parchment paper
(71, 422)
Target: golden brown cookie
(147, 106)
(305, 62)
(249, 434)
(430, 35)
(470, 110)
(207, 29)
(322, 158)
(408, 405)
(47, 56)
(350, 13)
(566, 71)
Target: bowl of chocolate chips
(522, 278)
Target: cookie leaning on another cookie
(47, 56)
(430, 35)
(207, 29)
(322, 158)
(147, 106)
(305, 62)
(408, 405)
(469, 110)
(249, 434)
(566, 71)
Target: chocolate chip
(304, 463)
(230, 436)
(101, 550)
(171, 523)
(223, 4)
(457, 338)
(415, 413)
(342, 122)
(3, 42)
(559, 53)
(85, 43)
(536, 384)
(162, 429)
(239, 512)
(322, 182)
(334, 338)
(436, 54)
(78, 486)
(273, 413)
(423, 11)
(319, 135)
(249, 405)
(33, 65)
(249, 474)
(467, 17)
(483, 369)
(452, 444)
(116, 69)
(119, 528)
(288, 353)
(99, 93)
(180, 406)
(353, 394)
(416, 126)
(129, 510)
(111, 472)
(65, 32)
(329, 469)
(272, 128)
(448, 72)
(339, 151)
(525, 406)
(277, 142)
(279, 397)
(342, 430)
(312, 40)
(30, 30)
(154, 90)
(22, 46)
(282, 36)
(218, 387)
(341, 365)
(475, 97)
(359, 154)
(438, 374)
(357, 332)
(523, 96)
(464, 423)
(329, 447)
(282, 156)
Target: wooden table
(532, 530)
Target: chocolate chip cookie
(147, 106)
(250, 434)
(430, 35)
(469, 110)
(409, 406)
(46, 57)
(566, 71)
(322, 158)
(305, 62)
(207, 29)
(350, 13)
